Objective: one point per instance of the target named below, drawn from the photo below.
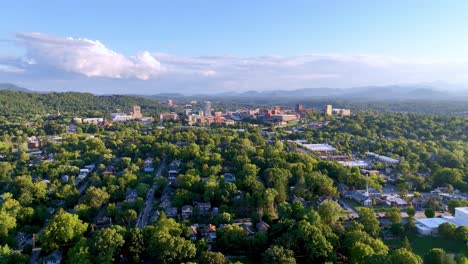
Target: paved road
(35, 255)
(389, 189)
(348, 207)
(144, 214)
(83, 187)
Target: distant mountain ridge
(394, 92)
(370, 92)
(13, 87)
(388, 92)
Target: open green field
(356, 205)
(422, 244)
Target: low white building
(319, 147)
(429, 226)
(383, 159)
(460, 218)
(121, 117)
(355, 163)
(93, 120)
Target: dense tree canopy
(266, 197)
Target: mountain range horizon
(432, 91)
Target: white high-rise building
(207, 109)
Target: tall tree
(438, 256)
(8, 223)
(404, 256)
(369, 221)
(209, 257)
(165, 248)
(329, 212)
(278, 255)
(135, 244)
(95, 197)
(106, 243)
(79, 253)
(393, 214)
(63, 229)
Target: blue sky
(188, 46)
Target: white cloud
(209, 73)
(56, 58)
(88, 57)
(10, 69)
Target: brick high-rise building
(136, 114)
(299, 108)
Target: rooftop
(462, 209)
(319, 147)
(354, 163)
(431, 222)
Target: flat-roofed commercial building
(430, 226)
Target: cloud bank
(52, 62)
(90, 58)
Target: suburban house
(33, 142)
(148, 165)
(203, 208)
(103, 222)
(247, 228)
(171, 212)
(174, 165)
(262, 226)
(65, 178)
(165, 202)
(323, 199)
(72, 128)
(396, 200)
(209, 233)
(229, 177)
(53, 258)
(131, 196)
(420, 202)
(172, 174)
(359, 197)
(110, 170)
(187, 211)
(298, 199)
(194, 233)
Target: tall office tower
(207, 110)
(299, 108)
(328, 109)
(136, 114)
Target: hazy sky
(207, 46)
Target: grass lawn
(422, 244)
(352, 203)
(376, 208)
(356, 205)
(292, 123)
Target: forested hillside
(22, 104)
